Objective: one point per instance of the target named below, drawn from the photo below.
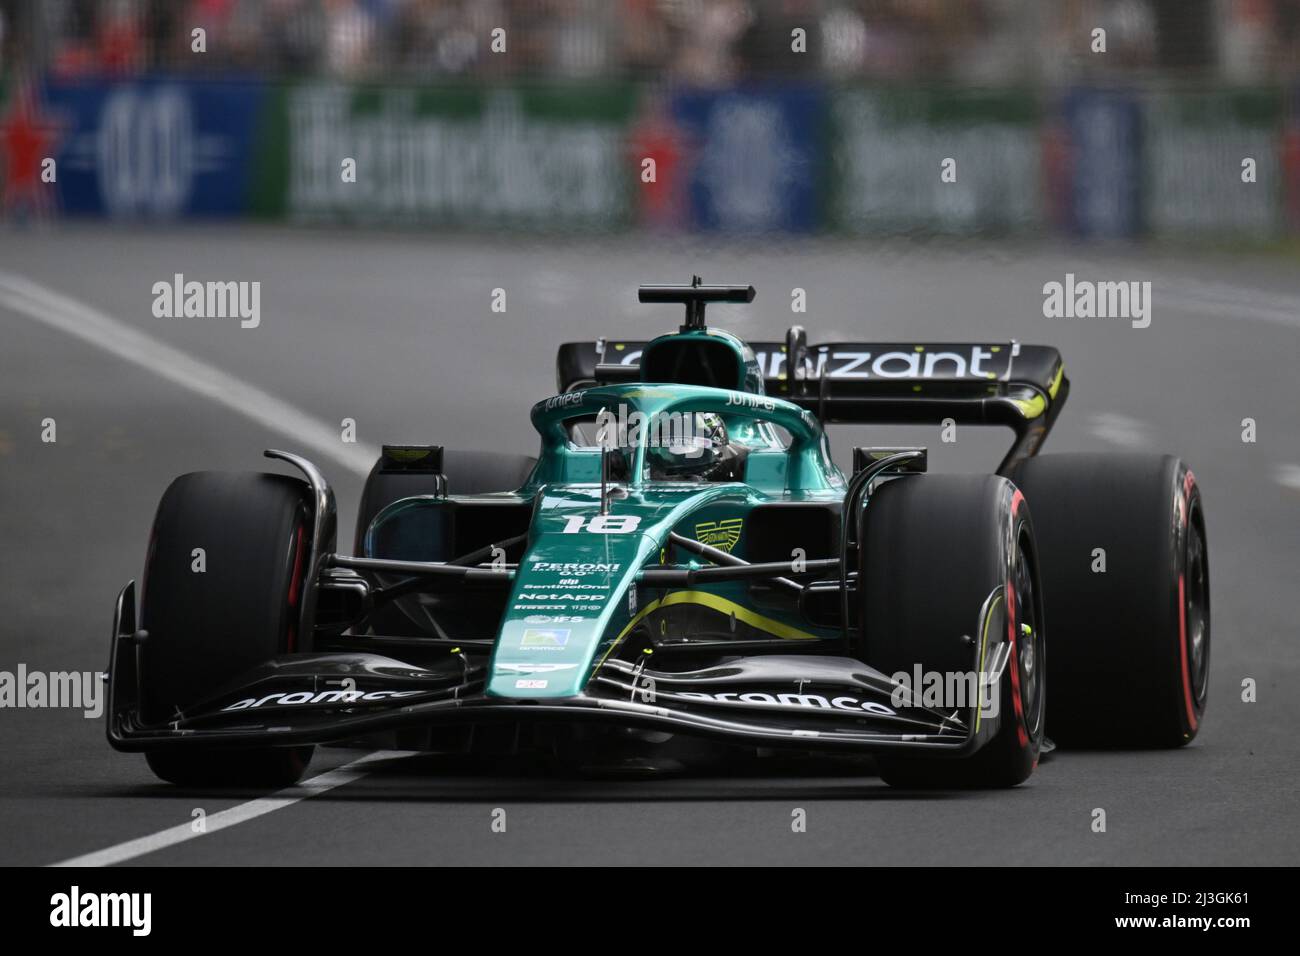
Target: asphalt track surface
(396, 331)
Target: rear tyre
(213, 614)
(1130, 643)
(950, 575)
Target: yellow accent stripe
(1056, 381)
(984, 643)
(756, 621)
(636, 618)
(722, 605)
(1033, 407)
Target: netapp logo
(810, 701)
(324, 697)
(73, 909)
(561, 596)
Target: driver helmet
(693, 456)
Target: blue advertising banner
(756, 157)
(1100, 163)
(1104, 134)
(154, 148)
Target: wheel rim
(1029, 656)
(1197, 608)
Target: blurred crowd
(707, 42)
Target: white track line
(58, 311)
(348, 773)
(1215, 298)
(1224, 301)
(84, 322)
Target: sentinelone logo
(83, 691)
(75, 909)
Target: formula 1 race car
(684, 560)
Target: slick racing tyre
(1126, 575)
(950, 584)
(466, 473)
(223, 582)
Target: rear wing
(1022, 387)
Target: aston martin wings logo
(722, 535)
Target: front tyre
(223, 585)
(950, 584)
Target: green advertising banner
(1198, 181)
(510, 157)
(934, 160)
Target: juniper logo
(567, 400)
(76, 909)
(181, 299)
(1084, 299)
(74, 690)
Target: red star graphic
(27, 139)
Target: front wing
(805, 701)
